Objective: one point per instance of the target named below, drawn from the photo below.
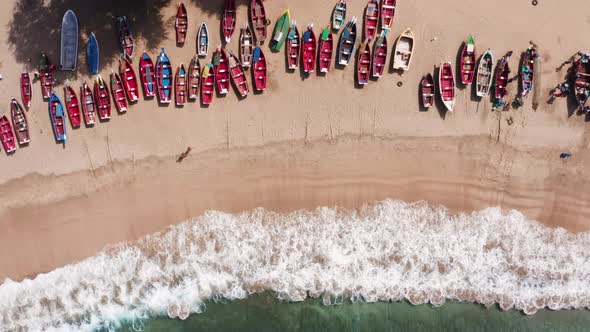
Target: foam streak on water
(386, 252)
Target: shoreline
(135, 199)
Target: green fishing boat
(281, 30)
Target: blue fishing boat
(92, 54)
(69, 41)
(57, 116)
(164, 78)
(347, 43)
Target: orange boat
(19, 123)
(194, 78)
(238, 75)
(88, 107)
(181, 24)
(180, 85)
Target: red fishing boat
(125, 36)
(387, 13)
(19, 123)
(371, 19)
(446, 85)
(582, 80)
(229, 19)
(221, 66)
(207, 84)
(46, 76)
(427, 90)
(468, 62)
(308, 49)
(326, 47)
(72, 105)
(147, 74)
(363, 63)
(180, 85)
(181, 24)
(6, 135)
(102, 98)
(258, 19)
(26, 91)
(118, 93)
(259, 69)
(88, 107)
(502, 77)
(194, 78)
(238, 75)
(379, 55)
(293, 47)
(129, 80)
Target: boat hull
(69, 41)
(446, 84)
(57, 117)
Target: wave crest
(389, 251)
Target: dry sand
(303, 143)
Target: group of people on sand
(563, 89)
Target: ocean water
(388, 252)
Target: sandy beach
(303, 143)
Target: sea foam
(389, 251)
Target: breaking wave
(389, 251)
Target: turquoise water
(265, 313)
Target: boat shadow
(35, 27)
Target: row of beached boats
(483, 73)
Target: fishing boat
(582, 81)
(371, 19)
(363, 65)
(207, 84)
(446, 85)
(258, 19)
(221, 66)
(527, 70)
(246, 46)
(125, 37)
(118, 92)
(326, 47)
(92, 54)
(102, 98)
(347, 42)
(485, 72)
(19, 123)
(6, 135)
(180, 85)
(88, 107)
(238, 75)
(72, 105)
(69, 41)
(57, 116)
(293, 47)
(229, 19)
(427, 90)
(164, 78)
(259, 69)
(181, 24)
(147, 75)
(203, 40)
(26, 91)
(46, 76)
(502, 77)
(129, 80)
(404, 48)
(308, 49)
(339, 15)
(387, 13)
(467, 63)
(379, 55)
(194, 78)
(281, 30)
